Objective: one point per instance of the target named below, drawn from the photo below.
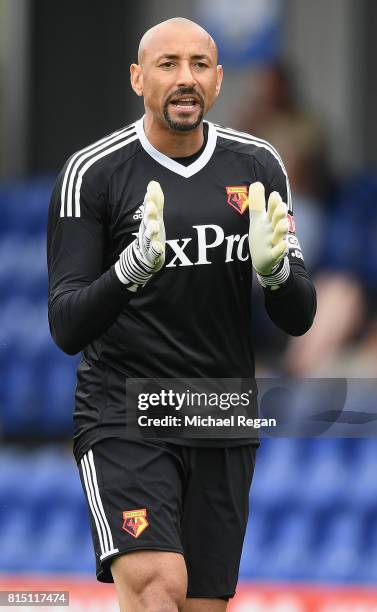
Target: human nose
(185, 76)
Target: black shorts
(160, 496)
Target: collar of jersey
(171, 164)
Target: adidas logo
(138, 215)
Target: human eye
(167, 65)
(201, 65)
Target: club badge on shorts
(135, 521)
(238, 198)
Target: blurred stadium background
(300, 74)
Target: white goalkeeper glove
(267, 237)
(146, 254)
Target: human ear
(136, 77)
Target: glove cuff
(131, 270)
(278, 276)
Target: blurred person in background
(343, 340)
(135, 314)
(273, 113)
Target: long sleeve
(292, 307)
(85, 295)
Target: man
(168, 516)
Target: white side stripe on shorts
(96, 506)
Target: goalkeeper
(153, 233)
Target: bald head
(177, 74)
(154, 37)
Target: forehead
(180, 41)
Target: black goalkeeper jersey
(193, 318)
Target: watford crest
(238, 198)
(135, 521)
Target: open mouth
(188, 103)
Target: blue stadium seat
(325, 479)
(84, 559)
(290, 556)
(21, 405)
(54, 484)
(25, 205)
(363, 490)
(256, 545)
(277, 477)
(16, 536)
(367, 570)
(57, 389)
(43, 520)
(339, 552)
(23, 270)
(57, 542)
(12, 476)
(39, 380)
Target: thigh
(215, 515)
(134, 495)
(147, 579)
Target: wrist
(278, 276)
(131, 270)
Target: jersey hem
(87, 440)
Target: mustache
(186, 91)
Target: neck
(173, 143)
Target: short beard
(183, 127)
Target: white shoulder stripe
(246, 135)
(77, 155)
(251, 138)
(230, 134)
(75, 162)
(90, 162)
